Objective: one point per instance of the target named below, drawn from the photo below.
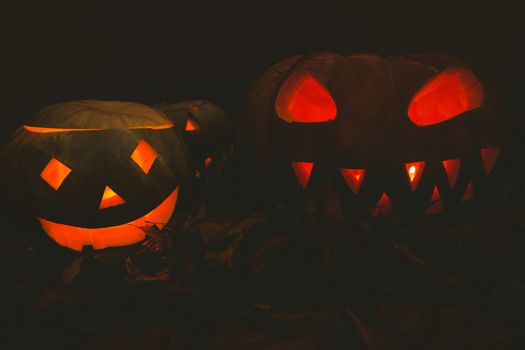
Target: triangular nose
(110, 199)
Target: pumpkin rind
(372, 131)
(97, 159)
(208, 131)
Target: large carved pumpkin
(94, 173)
(410, 134)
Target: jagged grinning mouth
(354, 179)
(76, 238)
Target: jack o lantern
(411, 134)
(95, 173)
(208, 132)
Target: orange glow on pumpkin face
(384, 206)
(45, 130)
(54, 173)
(414, 172)
(74, 237)
(452, 168)
(191, 125)
(354, 178)
(489, 156)
(436, 205)
(303, 170)
(305, 100)
(144, 155)
(469, 192)
(110, 199)
(208, 162)
(451, 93)
(120, 235)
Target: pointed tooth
(469, 192)
(452, 169)
(489, 156)
(303, 170)
(354, 178)
(384, 206)
(436, 204)
(414, 172)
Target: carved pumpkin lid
(99, 115)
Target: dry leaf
(54, 299)
(70, 272)
(225, 257)
(371, 338)
(407, 253)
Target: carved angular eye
(451, 93)
(54, 173)
(144, 155)
(303, 99)
(191, 125)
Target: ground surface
(276, 276)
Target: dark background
(53, 52)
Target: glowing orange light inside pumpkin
(303, 171)
(469, 192)
(452, 168)
(110, 199)
(208, 162)
(120, 235)
(454, 91)
(44, 130)
(144, 155)
(489, 156)
(303, 99)
(54, 173)
(414, 171)
(354, 178)
(191, 125)
(436, 205)
(384, 205)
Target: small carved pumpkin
(208, 132)
(95, 173)
(410, 134)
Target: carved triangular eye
(451, 93)
(303, 99)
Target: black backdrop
(53, 52)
